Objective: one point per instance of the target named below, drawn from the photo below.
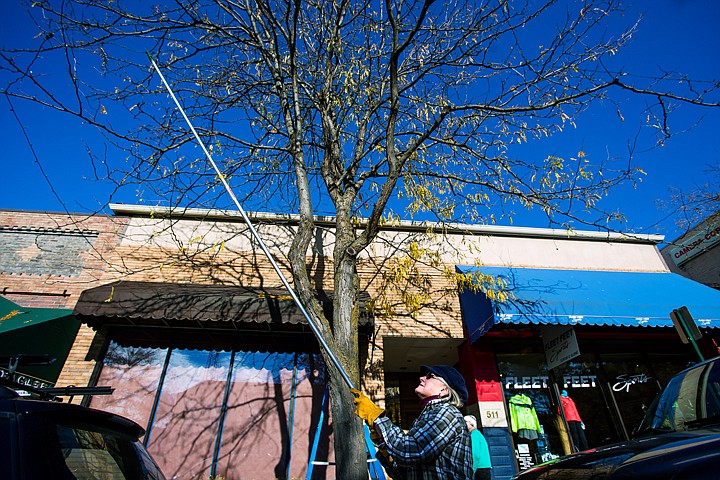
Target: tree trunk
(350, 451)
(349, 435)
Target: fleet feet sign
(560, 344)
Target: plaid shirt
(437, 447)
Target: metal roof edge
(409, 225)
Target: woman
(480, 450)
(437, 447)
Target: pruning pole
(313, 325)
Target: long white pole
(311, 321)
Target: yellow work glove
(365, 408)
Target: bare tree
(344, 107)
(689, 207)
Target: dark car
(41, 439)
(678, 439)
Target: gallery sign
(559, 343)
(24, 379)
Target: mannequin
(575, 423)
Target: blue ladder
(374, 467)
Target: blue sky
(676, 35)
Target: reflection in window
(266, 429)
(632, 389)
(274, 397)
(134, 373)
(710, 398)
(182, 437)
(102, 454)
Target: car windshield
(690, 400)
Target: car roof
(63, 412)
(698, 365)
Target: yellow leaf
(112, 294)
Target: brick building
(696, 254)
(185, 318)
(46, 261)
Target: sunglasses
(430, 375)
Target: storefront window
(265, 430)
(533, 415)
(596, 398)
(182, 436)
(134, 373)
(631, 388)
(273, 397)
(579, 380)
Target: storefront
(601, 344)
(207, 364)
(610, 384)
(227, 381)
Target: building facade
(183, 316)
(696, 254)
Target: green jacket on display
(522, 413)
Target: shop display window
(134, 374)
(594, 399)
(221, 414)
(631, 388)
(582, 383)
(272, 398)
(532, 412)
(573, 407)
(182, 435)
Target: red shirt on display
(571, 413)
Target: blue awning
(577, 297)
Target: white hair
(453, 398)
(471, 420)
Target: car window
(687, 402)
(710, 393)
(685, 408)
(71, 445)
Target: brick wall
(704, 268)
(48, 259)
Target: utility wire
(35, 157)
